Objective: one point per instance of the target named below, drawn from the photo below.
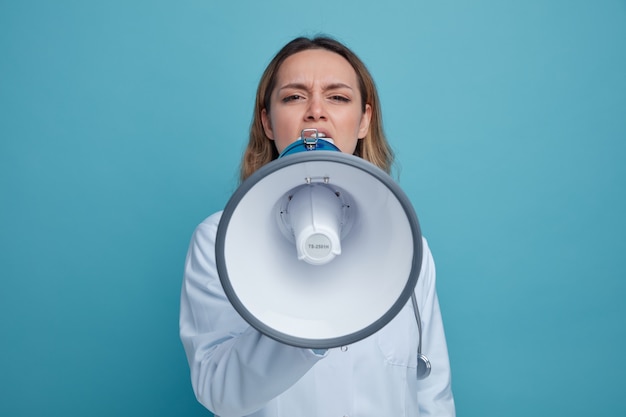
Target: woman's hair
(261, 150)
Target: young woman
(237, 371)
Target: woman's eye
(340, 98)
(293, 97)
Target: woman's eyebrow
(337, 86)
(294, 86)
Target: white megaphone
(318, 249)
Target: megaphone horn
(318, 249)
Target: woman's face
(317, 89)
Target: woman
(237, 371)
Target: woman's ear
(267, 124)
(364, 126)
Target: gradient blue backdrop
(121, 126)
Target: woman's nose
(316, 109)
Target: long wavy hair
(261, 150)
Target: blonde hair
(261, 150)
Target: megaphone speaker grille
(325, 304)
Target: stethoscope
(423, 364)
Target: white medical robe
(237, 371)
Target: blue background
(121, 127)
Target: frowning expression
(317, 89)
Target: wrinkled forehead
(316, 68)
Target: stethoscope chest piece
(423, 366)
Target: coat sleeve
(235, 370)
(435, 392)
